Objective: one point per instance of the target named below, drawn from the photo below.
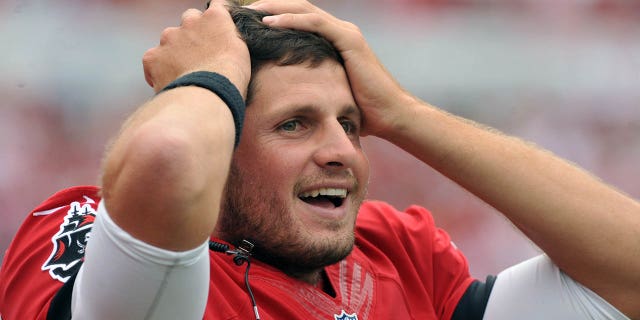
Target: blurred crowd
(562, 74)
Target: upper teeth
(342, 193)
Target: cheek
(362, 172)
(285, 168)
(272, 169)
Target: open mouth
(326, 197)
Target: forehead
(276, 87)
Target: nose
(336, 149)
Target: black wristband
(219, 85)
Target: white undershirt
(125, 278)
(537, 289)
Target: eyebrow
(347, 110)
(352, 110)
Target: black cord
(240, 256)
(253, 299)
(218, 247)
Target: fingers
(206, 41)
(306, 21)
(297, 14)
(344, 35)
(329, 28)
(304, 16)
(279, 7)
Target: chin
(306, 255)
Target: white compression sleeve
(125, 278)
(538, 289)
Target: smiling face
(299, 174)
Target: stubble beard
(251, 212)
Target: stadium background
(564, 74)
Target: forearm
(165, 173)
(589, 229)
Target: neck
(314, 278)
(320, 280)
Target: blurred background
(564, 74)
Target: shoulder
(65, 196)
(408, 236)
(394, 239)
(413, 229)
(46, 251)
(408, 244)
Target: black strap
(474, 301)
(219, 85)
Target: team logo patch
(345, 316)
(69, 243)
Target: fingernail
(268, 19)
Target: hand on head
(209, 41)
(205, 41)
(377, 93)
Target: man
(288, 192)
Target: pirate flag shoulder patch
(70, 241)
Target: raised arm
(589, 229)
(164, 174)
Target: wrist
(400, 117)
(237, 77)
(222, 87)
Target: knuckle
(166, 35)
(315, 20)
(214, 9)
(357, 34)
(288, 17)
(189, 20)
(210, 10)
(148, 59)
(149, 56)
(352, 27)
(192, 12)
(190, 16)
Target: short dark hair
(283, 47)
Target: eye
(348, 127)
(290, 125)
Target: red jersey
(402, 267)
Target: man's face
(299, 174)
